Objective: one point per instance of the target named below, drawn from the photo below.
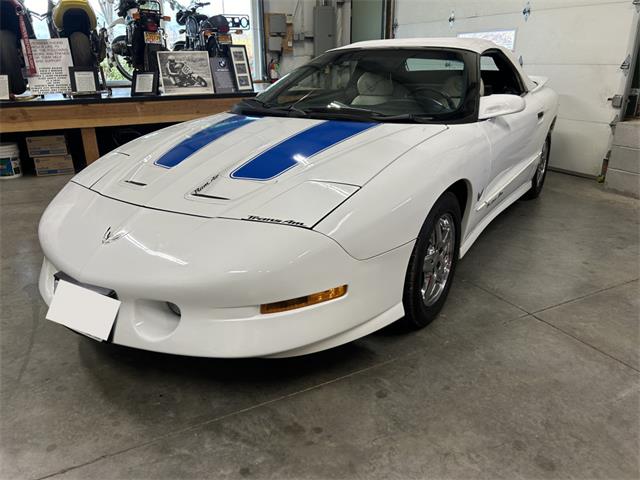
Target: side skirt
(473, 235)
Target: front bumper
(217, 272)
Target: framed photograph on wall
(185, 73)
(241, 69)
(144, 84)
(84, 80)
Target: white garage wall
(578, 44)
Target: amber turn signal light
(305, 301)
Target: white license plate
(152, 37)
(83, 310)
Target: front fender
(390, 209)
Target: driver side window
(499, 76)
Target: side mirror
(497, 105)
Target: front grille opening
(107, 292)
(174, 308)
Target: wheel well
(461, 190)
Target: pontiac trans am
(332, 204)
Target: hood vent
(212, 197)
(137, 184)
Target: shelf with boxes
(50, 155)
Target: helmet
(220, 23)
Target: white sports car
(332, 204)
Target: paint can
(9, 161)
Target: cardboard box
(54, 165)
(46, 145)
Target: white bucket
(9, 161)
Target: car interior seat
(373, 89)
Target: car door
(512, 137)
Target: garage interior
(531, 370)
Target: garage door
(579, 44)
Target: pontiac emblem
(109, 237)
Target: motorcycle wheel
(10, 62)
(201, 82)
(122, 63)
(81, 50)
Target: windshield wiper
(370, 114)
(258, 106)
(414, 117)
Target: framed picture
(241, 68)
(223, 77)
(4, 87)
(185, 73)
(144, 84)
(84, 80)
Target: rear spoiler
(539, 81)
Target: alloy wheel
(542, 165)
(436, 265)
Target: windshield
(383, 84)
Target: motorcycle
(136, 50)
(202, 33)
(181, 74)
(15, 25)
(76, 20)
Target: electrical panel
(324, 28)
(275, 44)
(277, 23)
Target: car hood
(275, 169)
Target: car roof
(477, 45)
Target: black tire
(419, 312)
(81, 50)
(151, 57)
(10, 64)
(537, 182)
(201, 82)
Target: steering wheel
(447, 98)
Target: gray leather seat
(373, 89)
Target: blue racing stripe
(201, 139)
(298, 148)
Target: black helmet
(219, 23)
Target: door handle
(540, 115)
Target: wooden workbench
(87, 114)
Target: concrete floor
(531, 371)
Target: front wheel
(433, 263)
(10, 62)
(537, 182)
